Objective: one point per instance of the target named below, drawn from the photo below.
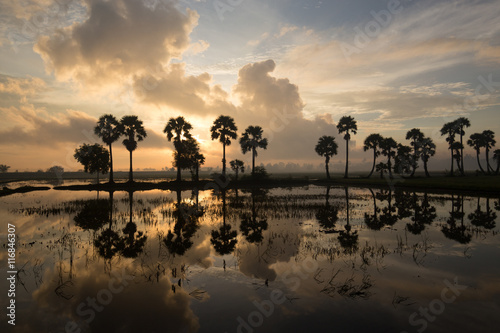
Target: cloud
(118, 39)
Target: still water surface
(310, 259)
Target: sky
(293, 67)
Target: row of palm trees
(187, 150)
(404, 159)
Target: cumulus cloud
(21, 86)
(118, 39)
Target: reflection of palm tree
(348, 240)
(387, 217)
(252, 228)
(94, 215)
(224, 240)
(346, 124)
(483, 219)
(108, 129)
(453, 231)
(131, 127)
(186, 225)
(372, 221)
(423, 214)
(372, 141)
(224, 129)
(327, 216)
(326, 147)
(250, 140)
(131, 244)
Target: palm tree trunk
(346, 158)
(389, 165)
(197, 172)
(130, 175)
(178, 173)
(374, 161)
(253, 162)
(327, 159)
(488, 167)
(451, 161)
(478, 161)
(414, 164)
(111, 180)
(97, 177)
(224, 160)
(462, 154)
(425, 169)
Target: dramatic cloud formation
(119, 38)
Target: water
(280, 260)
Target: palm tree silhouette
(496, 157)
(483, 219)
(450, 130)
(224, 129)
(131, 127)
(108, 129)
(348, 240)
(178, 130)
(424, 214)
(251, 227)
(346, 124)
(388, 147)
(387, 217)
(327, 215)
(131, 244)
(427, 149)
(489, 142)
(373, 141)
(476, 141)
(237, 166)
(372, 220)
(250, 140)
(416, 137)
(326, 147)
(460, 123)
(453, 231)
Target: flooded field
(312, 259)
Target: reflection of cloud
(140, 307)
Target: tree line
(403, 159)
(97, 159)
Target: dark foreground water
(310, 259)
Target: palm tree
(496, 157)
(131, 127)
(346, 124)
(460, 123)
(250, 140)
(372, 141)
(108, 129)
(237, 166)
(178, 130)
(224, 129)
(326, 147)
(427, 149)
(476, 141)
(489, 142)
(388, 147)
(416, 136)
(450, 130)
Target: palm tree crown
(326, 147)
(224, 129)
(178, 130)
(108, 129)
(252, 139)
(373, 141)
(131, 127)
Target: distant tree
(381, 167)
(450, 130)
(224, 129)
(326, 147)
(94, 158)
(416, 136)
(108, 129)
(476, 141)
(489, 143)
(237, 166)
(496, 157)
(460, 124)
(346, 124)
(403, 161)
(250, 140)
(4, 168)
(177, 129)
(388, 147)
(372, 141)
(427, 150)
(58, 170)
(131, 127)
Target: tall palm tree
(489, 142)
(388, 147)
(131, 127)
(461, 123)
(224, 129)
(373, 141)
(178, 130)
(427, 149)
(476, 141)
(346, 124)
(326, 147)
(416, 136)
(108, 129)
(450, 130)
(250, 140)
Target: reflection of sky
(412, 266)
